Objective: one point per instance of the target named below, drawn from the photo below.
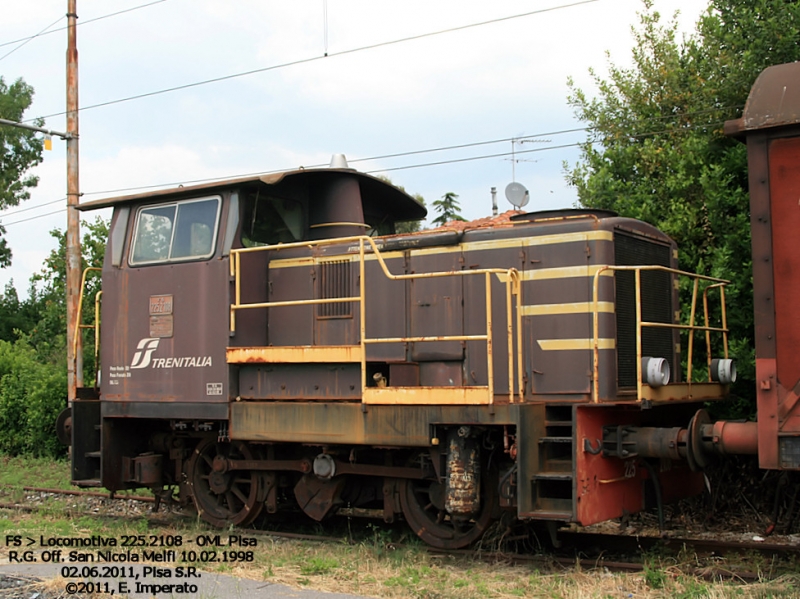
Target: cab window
(179, 231)
(270, 220)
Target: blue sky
(367, 98)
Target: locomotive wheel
(422, 502)
(224, 499)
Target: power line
(113, 14)
(323, 57)
(397, 155)
(471, 158)
(33, 207)
(351, 161)
(42, 32)
(426, 151)
(24, 220)
(472, 145)
(439, 163)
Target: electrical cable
(350, 161)
(3, 214)
(409, 153)
(24, 220)
(42, 32)
(394, 155)
(317, 58)
(471, 158)
(113, 14)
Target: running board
(301, 354)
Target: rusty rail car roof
(404, 207)
(774, 101)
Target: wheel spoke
(236, 491)
(231, 502)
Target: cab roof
(395, 201)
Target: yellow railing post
(97, 299)
(362, 315)
(510, 334)
(638, 334)
(520, 380)
(692, 317)
(489, 359)
(79, 315)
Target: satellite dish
(517, 194)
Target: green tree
(408, 226)
(32, 394)
(656, 150)
(448, 209)
(47, 294)
(20, 150)
(16, 316)
(33, 374)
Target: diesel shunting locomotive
(271, 342)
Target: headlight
(723, 371)
(655, 371)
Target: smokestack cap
(339, 161)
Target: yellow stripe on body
(569, 308)
(473, 246)
(564, 272)
(573, 344)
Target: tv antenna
(514, 159)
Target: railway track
(587, 551)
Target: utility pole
(73, 280)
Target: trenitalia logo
(145, 349)
(144, 352)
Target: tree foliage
(407, 226)
(20, 150)
(32, 394)
(656, 150)
(48, 294)
(33, 368)
(448, 208)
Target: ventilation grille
(335, 282)
(656, 305)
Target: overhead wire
(86, 22)
(394, 155)
(425, 151)
(29, 208)
(321, 57)
(438, 163)
(471, 158)
(24, 220)
(351, 161)
(33, 37)
(381, 170)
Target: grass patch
(34, 472)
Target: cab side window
(270, 220)
(179, 231)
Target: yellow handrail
(80, 325)
(508, 276)
(640, 324)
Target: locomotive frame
(270, 341)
